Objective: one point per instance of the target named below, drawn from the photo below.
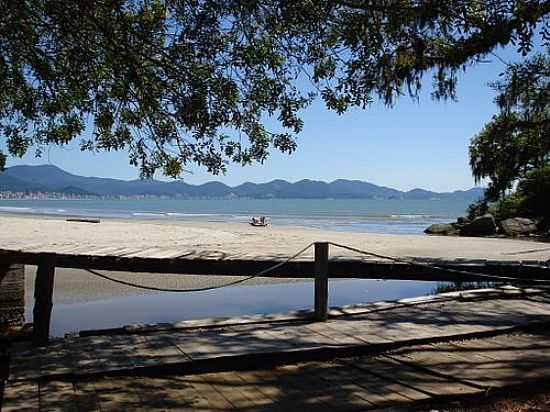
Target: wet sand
(79, 286)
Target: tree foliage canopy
(517, 140)
(177, 82)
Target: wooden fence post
(321, 281)
(43, 301)
(12, 294)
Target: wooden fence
(321, 269)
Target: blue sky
(414, 144)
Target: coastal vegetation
(512, 152)
(177, 82)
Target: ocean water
(355, 215)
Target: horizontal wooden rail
(337, 268)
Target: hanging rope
(300, 252)
(431, 266)
(204, 289)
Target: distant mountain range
(48, 178)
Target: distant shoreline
(40, 180)
(225, 197)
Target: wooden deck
(364, 357)
(397, 380)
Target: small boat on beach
(258, 221)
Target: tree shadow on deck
(413, 374)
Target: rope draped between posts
(301, 251)
(204, 289)
(435, 267)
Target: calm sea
(371, 216)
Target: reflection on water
(232, 301)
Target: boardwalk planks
(419, 373)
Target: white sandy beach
(233, 240)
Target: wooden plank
(243, 383)
(168, 253)
(363, 331)
(407, 375)
(445, 359)
(31, 248)
(24, 362)
(455, 318)
(458, 361)
(156, 349)
(21, 396)
(211, 398)
(12, 294)
(130, 252)
(396, 327)
(108, 251)
(55, 359)
(143, 252)
(270, 385)
(57, 396)
(386, 389)
(336, 335)
(166, 394)
(118, 394)
(541, 309)
(210, 323)
(501, 349)
(102, 354)
(337, 379)
(308, 391)
(43, 295)
(86, 398)
(354, 268)
(375, 390)
(312, 336)
(265, 382)
(294, 390)
(278, 338)
(268, 338)
(70, 249)
(228, 389)
(209, 344)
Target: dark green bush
(529, 200)
(511, 206)
(478, 208)
(535, 188)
